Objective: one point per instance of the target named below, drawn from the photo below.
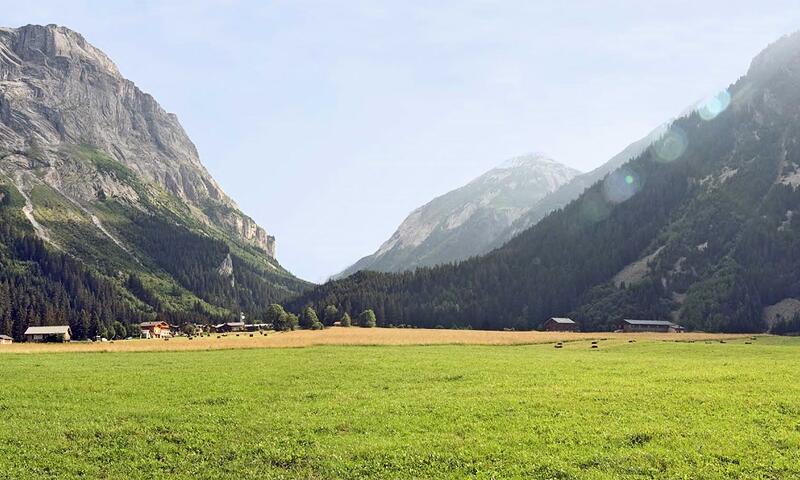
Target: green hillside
(701, 228)
(134, 259)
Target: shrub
(367, 319)
(308, 317)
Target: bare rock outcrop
(58, 91)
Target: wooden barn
(557, 324)
(230, 327)
(56, 333)
(662, 326)
(159, 329)
(5, 339)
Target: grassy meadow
(649, 409)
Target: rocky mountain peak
(468, 220)
(58, 91)
(38, 44)
(531, 160)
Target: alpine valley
(701, 227)
(108, 216)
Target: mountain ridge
(702, 227)
(463, 222)
(44, 76)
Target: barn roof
(152, 324)
(650, 323)
(52, 330)
(562, 320)
(5, 337)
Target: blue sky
(329, 121)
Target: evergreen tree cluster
(39, 286)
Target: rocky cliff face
(467, 221)
(57, 91)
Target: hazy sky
(329, 121)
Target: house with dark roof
(559, 324)
(230, 327)
(662, 326)
(56, 333)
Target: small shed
(662, 326)
(158, 329)
(56, 333)
(558, 324)
(5, 339)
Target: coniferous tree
(330, 315)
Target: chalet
(159, 329)
(5, 339)
(230, 327)
(57, 333)
(632, 326)
(556, 324)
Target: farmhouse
(557, 324)
(650, 326)
(5, 339)
(58, 333)
(158, 329)
(230, 327)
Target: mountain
(703, 227)
(571, 190)
(96, 175)
(468, 220)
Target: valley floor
(649, 409)
(353, 336)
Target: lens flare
(714, 105)
(672, 145)
(621, 185)
(594, 209)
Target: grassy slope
(643, 410)
(72, 229)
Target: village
(163, 330)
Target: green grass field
(628, 410)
